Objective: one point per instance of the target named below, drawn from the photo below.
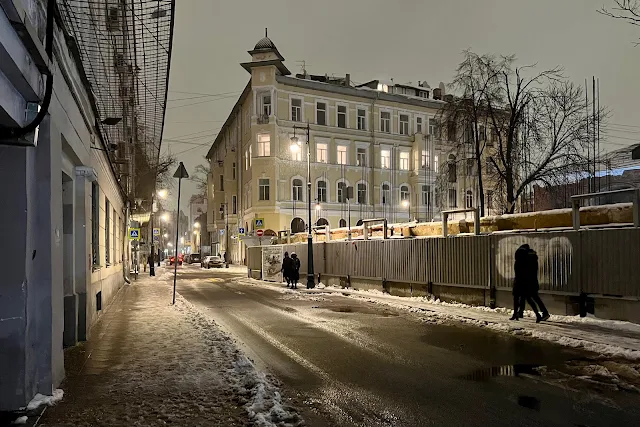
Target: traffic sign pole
(180, 173)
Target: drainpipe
(125, 268)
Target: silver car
(212, 261)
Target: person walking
(525, 282)
(286, 268)
(534, 286)
(295, 270)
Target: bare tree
(625, 10)
(540, 126)
(465, 117)
(201, 172)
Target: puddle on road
(502, 371)
(529, 402)
(358, 309)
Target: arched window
(322, 221)
(404, 193)
(468, 199)
(342, 192)
(321, 191)
(296, 190)
(386, 194)
(343, 223)
(362, 193)
(297, 225)
(270, 233)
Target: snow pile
(262, 398)
(20, 420)
(40, 399)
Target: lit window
(321, 153)
(297, 190)
(418, 124)
(263, 189)
(361, 156)
(362, 119)
(321, 113)
(322, 191)
(404, 193)
(385, 121)
(296, 109)
(264, 145)
(342, 154)
(404, 160)
(342, 116)
(436, 162)
(424, 162)
(404, 124)
(385, 159)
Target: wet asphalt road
(346, 362)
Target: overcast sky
(407, 40)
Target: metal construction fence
(592, 261)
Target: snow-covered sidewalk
(149, 363)
(607, 337)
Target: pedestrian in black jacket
(295, 271)
(287, 266)
(525, 284)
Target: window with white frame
(296, 109)
(321, 191)
(432, 126)
(426, 195)
(264, 145)
(419, 124)
(322, 152)
(362, 193)
(385, 121)
(468, 199)
(424, 160)
(436, 162)
(385, 159)
(296, 190)
(342, 116)
(385, 196)
(404, 124)
(404, 160)
(404, 193)
(265, 100)
(321, 113)
(362, 119)
(263, 189)
(341, 151)
(342, 192)
(361, 156)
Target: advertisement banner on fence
(272, 263)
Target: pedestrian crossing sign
(258, 223)
(134, 234)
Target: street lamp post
(295, 146)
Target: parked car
(194, 258)
(212, 261)
(172, 260)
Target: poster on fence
(272, 263)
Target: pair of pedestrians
(291, 269)
(526, 285)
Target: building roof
(264, 43)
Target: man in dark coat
(525, 285)
(287, 266)
(295, 271)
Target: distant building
(197, 206)
(377, 138)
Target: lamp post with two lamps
(295, 147)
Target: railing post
(476, 220)
(327, 233)
(365, 231)
(575, 213)
(384, 230)
(445, 231)
(636, 208)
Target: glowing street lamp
(405, 203)
(163, 193)
(165, 217)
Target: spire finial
(265, 32)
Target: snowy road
(348, 362)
